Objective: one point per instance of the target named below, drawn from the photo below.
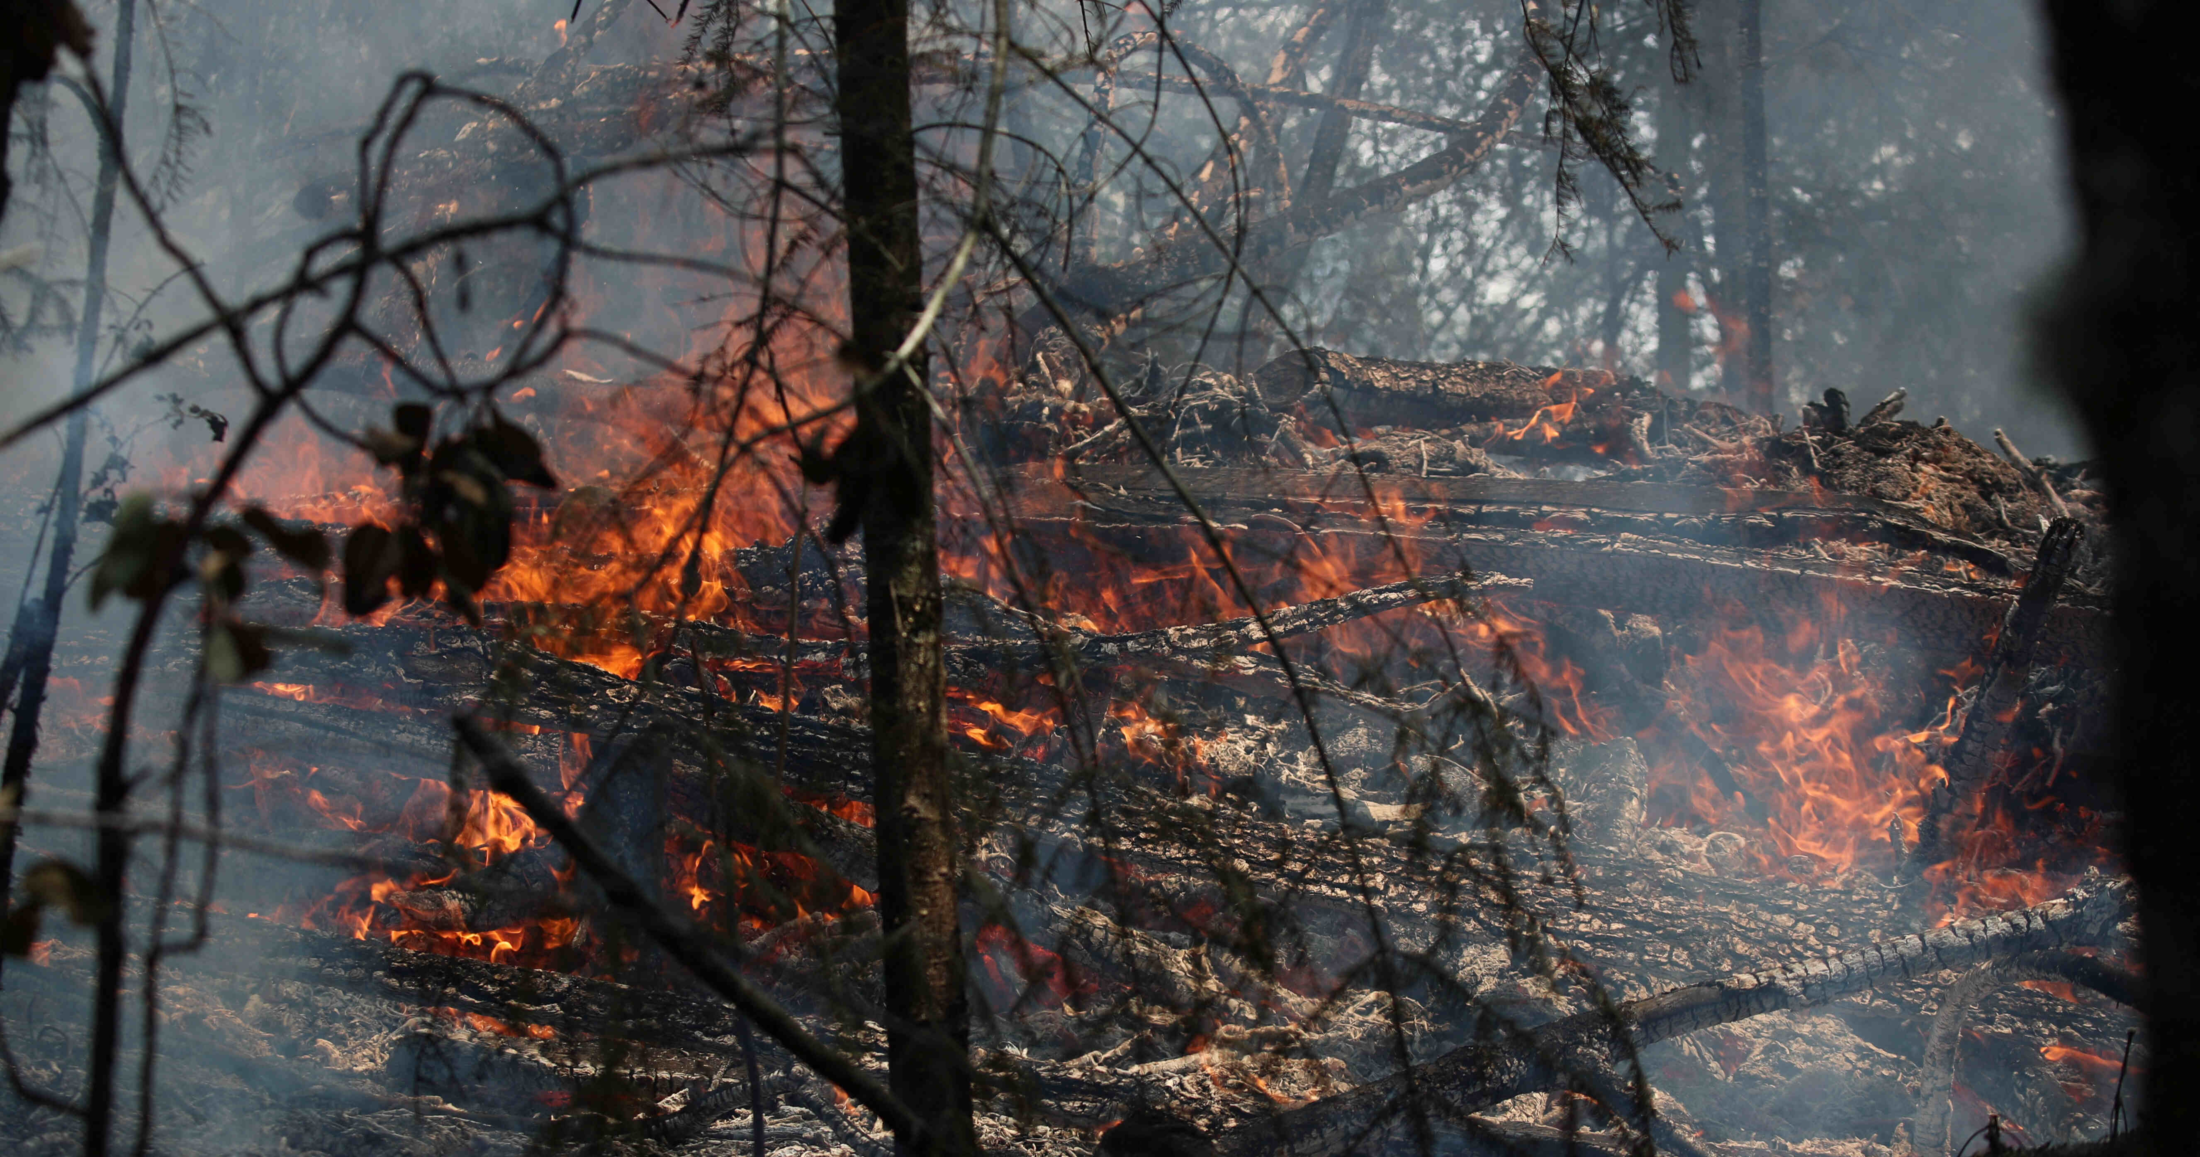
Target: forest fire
(765, 599)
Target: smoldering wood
(2032, 473)
(1486, 1073)
(1712, 516)
(1116, 936)
(1386, 391)
(1943, 616)
(1937, 1072)
(1973, 761)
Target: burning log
(1590, 1045)
(1973, 759)
(1712, 516)
(1388, 392)
(1940, 614)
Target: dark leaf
(308, 547)
(229, 540)
(371, 558)
(416, 568)
(389, 447)
(21, 929)
(127, 549)
(412, 420)
(62, 885)
(141, 542)
(514, 452)
(469, 506)
(462, 601)
(221, 575)
(816, 464)
(159, 572)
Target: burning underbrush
(1615, 692)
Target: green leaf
(308, 547)
(229, 540)
(236, 651)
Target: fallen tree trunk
(1711, 516)
(1432, 395)
(1594, 1043)
(1939, 613)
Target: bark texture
(1487, 1073)
(886, 480)
(1972, 762)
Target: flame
(1548, 423)
(1046, 979)
(1829, 766)
(2088, 1076)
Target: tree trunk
(1756, 214)
(887, 481)
(1674, 338)
(1717, 91)
(1353, 64)
(2120, 342)
(36, 629)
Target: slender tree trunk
(2121, 342)
(888, 470)
(1354, 62)
(111, 792)
(1756, 213)
(1331, 134)
(32, 638)
(1718, 90)
(1674, 338)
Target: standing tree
(2120, 341)
(884, 470)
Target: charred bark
(886, 478)
(1588, 1044)
(1971, 763)
(1938, 1070)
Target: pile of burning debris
(1796, 723)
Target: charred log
(1484, 1074)
(1938, 1072)
(1972, 761)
